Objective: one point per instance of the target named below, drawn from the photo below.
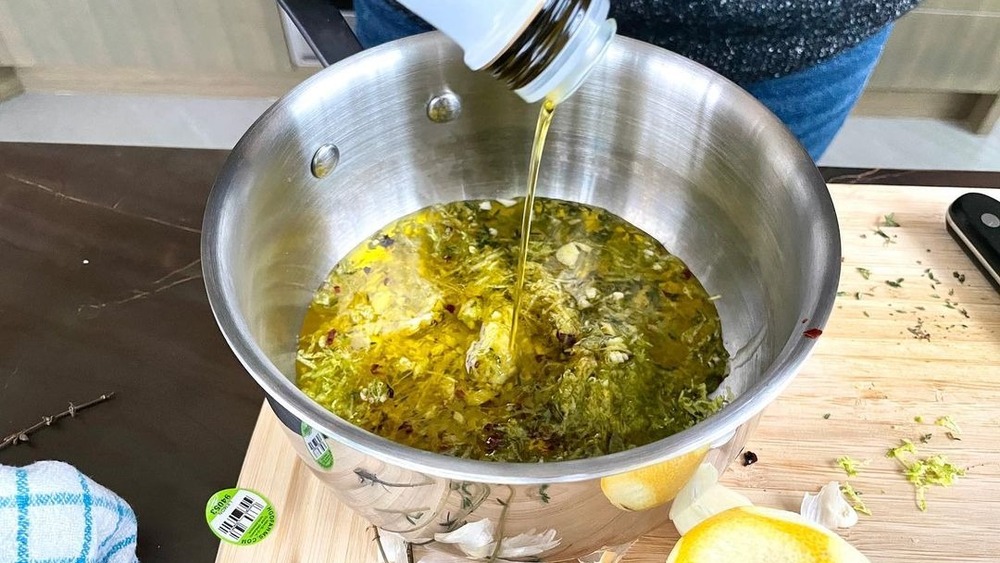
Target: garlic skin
(829, 508)
(477, 541)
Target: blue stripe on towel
(21, 478)
(121, 545)
(88, 519)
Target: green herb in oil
(409, 337)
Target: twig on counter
(22, 435)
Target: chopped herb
(865, 313)
(918, 419)
(935, 296)
(850, 465)
(826, 416)
(842, 294)
(855, 498)
(951, 292)
(925, 438)
(865, 272)
(905, 447)
(949, 424)
(918, 331)
(864, 235)
(922, 473)
(897, 283)
(919, 308)
(889, 220)
(964, 313)
(543, 494)
(888, 239)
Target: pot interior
(671, 147)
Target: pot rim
(714, 431)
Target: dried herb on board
(890, 220)
(881, 233)
(865, 272)
(894, 283)
(22, 436)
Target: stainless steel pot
(653, 137)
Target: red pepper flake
(450, 308)
(375, 368)
(749, 458)
(686, 274)
(813, 333)
(336, 289)
(330, 336)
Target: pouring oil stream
(537, 146)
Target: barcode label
(241, 513)
(317, 446)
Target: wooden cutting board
(858, 395)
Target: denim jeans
(813, 103)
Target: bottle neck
(557, 49)
(543, 39)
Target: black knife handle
(974, 221)
(324, 29)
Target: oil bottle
(541, 49)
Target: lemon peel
(654, 485)
(701, 498)
(758, 534)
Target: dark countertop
(134, 320)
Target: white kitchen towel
(51, 512)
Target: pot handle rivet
(325, 160)
(444, 107)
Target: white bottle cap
(577, 58)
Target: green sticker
(316, 444)
(239, 516)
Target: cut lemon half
(753, 534)
(654, 485)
